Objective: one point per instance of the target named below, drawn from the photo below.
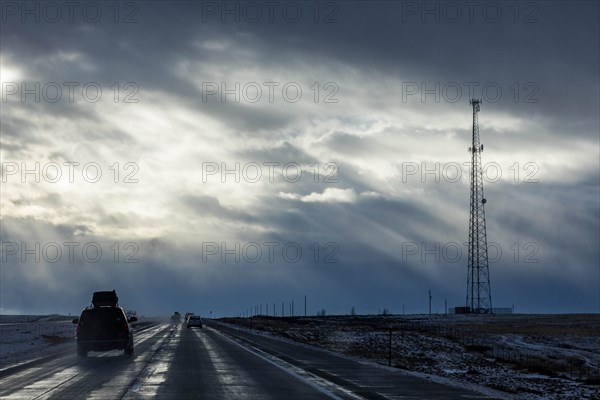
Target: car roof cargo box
(105, 299)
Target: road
(217, 362)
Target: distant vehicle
(176, 317)
(187, 315)
(194, 320)
(104, 326)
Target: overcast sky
(216, 156)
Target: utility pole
(479, 295)
(429, 301)
(305, 305)
(282, 314)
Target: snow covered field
(30, 336)
(523, 356)
(26, 337)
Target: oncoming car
(194, 321)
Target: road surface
(217, 362)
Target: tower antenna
(479, 295)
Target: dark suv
(103, 327)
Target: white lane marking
(313, 381)
(153, 374)
(137, 340)
(44, 388)
(235, 383)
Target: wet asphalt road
(217, 362)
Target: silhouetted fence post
(390, 350)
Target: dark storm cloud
(175, 46)
(373, 35)
(316, 174)
(18, 134)
(210, 206)
(278, 151)
(369, 35)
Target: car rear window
(106, 315)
